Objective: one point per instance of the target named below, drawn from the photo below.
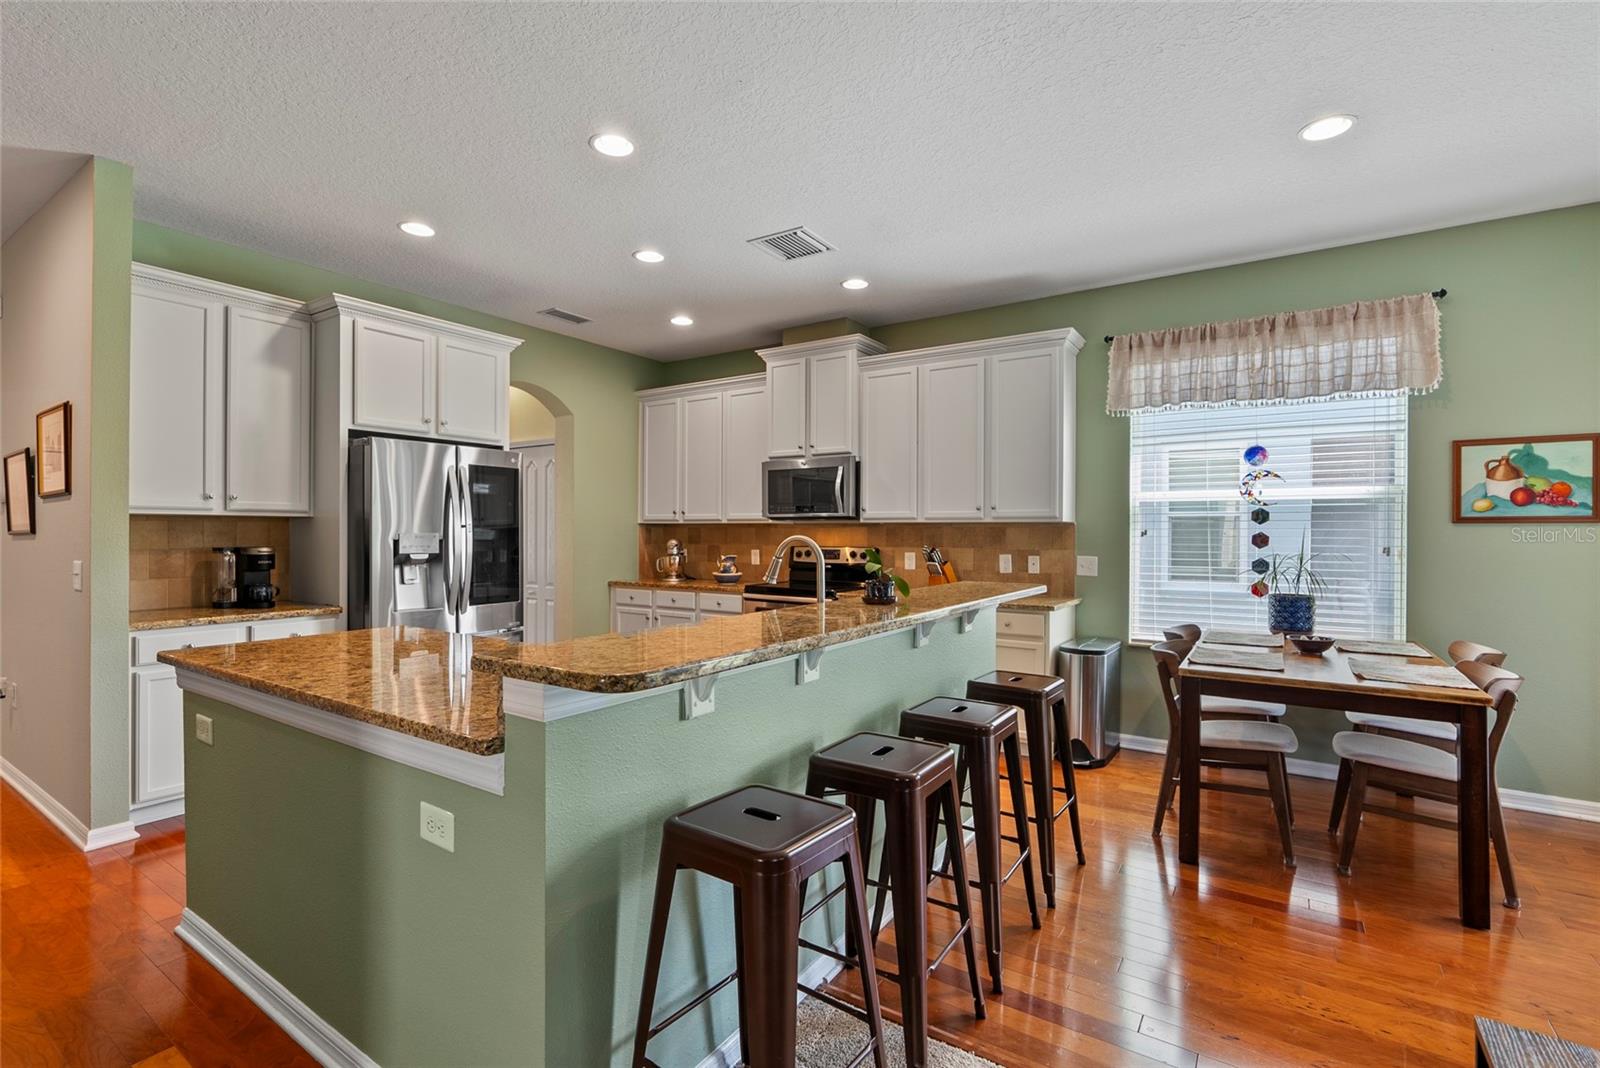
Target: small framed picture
(1540, 479)
(19, 492)
(54, 439)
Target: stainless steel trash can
(1092, 668)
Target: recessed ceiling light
(417, 229)
(681, 320)
(648, 255)
(611, 145)
(1327, 128)
(854, 283)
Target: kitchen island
(312, 888)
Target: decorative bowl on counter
(1311, 644)
(728, 578)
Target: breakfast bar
(508, 927)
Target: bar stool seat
(983, 732)
(1043, 700)
(915, 782)
(766, 843)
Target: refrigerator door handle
(447, 551)
(464, 502)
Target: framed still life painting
(53, 428)
(19, 492)
(1548, 479)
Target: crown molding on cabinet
(339, 303)
(864, 346)
(1067, 337)
(160, 278)
(705, 385)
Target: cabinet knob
(233, 496)
(427, 419)
(205, 496)
(188, 645)
(979, 508)
(444, 422)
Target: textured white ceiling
(959, 155)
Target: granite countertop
(407, 679)
(158, 618)
(1046, 602)
(705, 585)
(618, 663)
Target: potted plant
(1294, 582)
(884, 583)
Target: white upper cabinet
(1026, 447)
(744, 446)
(474, 385)
(660, 459)
(392, 377)
(811, 391)
(702, 457)
(268, 414)
(951, 437)
(219, 399)
(889, 443)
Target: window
(1342, 494)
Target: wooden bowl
(1311, 644)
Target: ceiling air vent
(566, 316)
(794, 244)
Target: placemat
(1381, 648)
(1239, 637)
(1414, 674)
(1238, 657)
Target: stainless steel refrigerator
(435, 536)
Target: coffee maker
(255, 577)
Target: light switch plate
(77, 576)
(1089, 566)
(1005, 563)
(755, 556)
(1033, 565)
(911, 562)
(202, 729)
(439, 827)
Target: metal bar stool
(982, 732)
(766, 843)
(915, 781)
(1043, 700)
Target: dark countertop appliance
(846, 571)
(255, 576)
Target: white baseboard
(151, 811)
(84, 838)
(1571, 808)
(314, 1034)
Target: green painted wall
(108, 493)
(1521, 341)
(593, 383)
(525, 946)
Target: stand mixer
(673, 567)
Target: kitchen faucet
(822, 569)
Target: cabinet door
(786, 406)
(474, 385)
(660, 449)
(630, 619)
(889, 444)
(157, 735)
(1025, 440)
(392, 377)
(832, 396)
(702, 457)
(175, 403)
(268, 425)
(744, 447)
(1024, 656)
(674, 617)
(951, 439)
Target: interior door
(489, 482)
(268, 421)
(175, 404)
(951, 433)
(539, 543)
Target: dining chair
(1213, 706)
(1421, 770)
(1255, 744)
(1429, 732)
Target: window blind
(1343, 491)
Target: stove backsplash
(974, 548)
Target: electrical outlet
(755, 556)
(202, 729)
(439, 827)
(911, 561)
(1033, 565)
(1005, 563)
(77, 576)
(1089, 566)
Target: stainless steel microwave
(816, 487)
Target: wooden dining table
(1326, 681)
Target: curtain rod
(1438, 294)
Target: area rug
(827, 1038)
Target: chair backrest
(1481, 654)
(1182, 632)
(1500, 684)
(1169, 656)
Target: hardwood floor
(1143, 962)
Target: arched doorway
(541, 430)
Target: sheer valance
(1353, 350)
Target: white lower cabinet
(157, 735)
(636, 608)
(1026, 642)
(630, 619)
(674, 617)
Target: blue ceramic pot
(1291, 613)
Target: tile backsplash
(169, 556)
(974, 548)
